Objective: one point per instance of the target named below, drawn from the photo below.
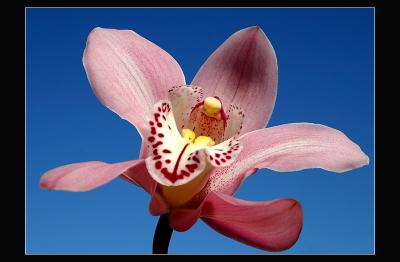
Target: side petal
(272, 225)
(85, 176)
(225, 153)
(128, 73)
(235, 122)
(183, 99)
(243, 71)
(286, 148)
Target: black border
(204, 3)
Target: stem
(162, 235)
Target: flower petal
(173, 161)
(243, 71)
(158, 206)
(139, 176)
(128, 73)
(235, 122)
(289, 147)
(183, 219)
(183, 99)
(273, 225)
(225, 153)
(85, 176)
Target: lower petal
(273, 225)
(139, 176)
(183, 219)
(85, 176)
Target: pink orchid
(201, 141)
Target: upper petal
(243, 71)
(289, 147)
(86, 175)
(271, 225)
(128, 73)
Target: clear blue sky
(326, 75)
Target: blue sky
(326, 75)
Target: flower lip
(177, 159)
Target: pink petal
(273, 225)
(235, 122)
(183, 219)
(86, 175)
(128, 73)
(289, 147)
(225, 153)
(243, 72)
(157, 205)
(140, 176)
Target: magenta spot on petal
(156, 116)
(157, 144)
(160, 135)
(196, 159)
(166, 151)
(217, 162)
(151, 139)
(158, 165)
(223, 160)
(167, 161)
(183, 173)
(151, 123)
(228, 157)
(191, 167)
(159, 124)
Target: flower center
(212, 107)
(208, 118)
(181, 161)
(200, 141)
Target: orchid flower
(201, 141)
